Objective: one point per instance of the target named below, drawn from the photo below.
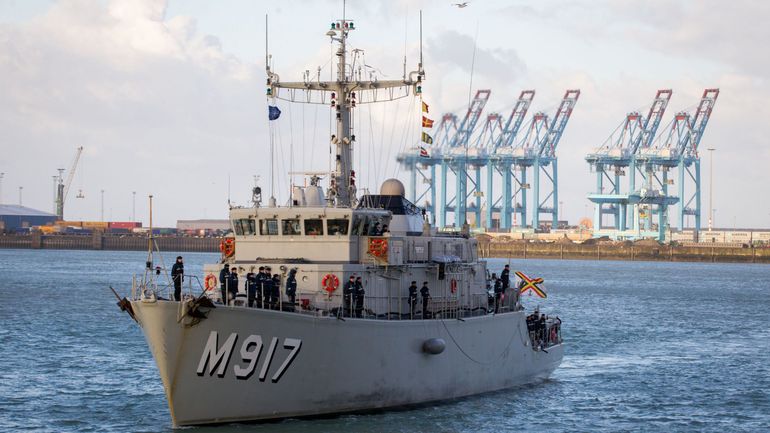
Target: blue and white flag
(273, 112)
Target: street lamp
(133, 206)
(20, 189)
(102, 214)
(711, 188)
(2, 175)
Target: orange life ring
(330, 282)
(210, 283)
(227, 247)
(378, 247)
(453, 285)
(554, 335)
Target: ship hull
(244, 364)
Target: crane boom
(64, 187)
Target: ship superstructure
(225, 356)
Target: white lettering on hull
(217, 358)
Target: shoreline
(621, 252)
(502, 250)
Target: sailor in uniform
(359, 297)
(251, 287)
(291, 287)
(347, 296)
(232, 283)
(224, 275)
(275, 292)
(267, 287)
(260, 283)
(505, 277)
(498, 285)
(425, 293)
(412, 298)
(177, 275)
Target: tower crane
(63, 187)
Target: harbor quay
(629, 251)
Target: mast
(345, 93)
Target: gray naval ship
(229, 353)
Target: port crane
(63, 187)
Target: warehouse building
(14, 217)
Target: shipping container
(738, 237)
(124, 224)
(712, 237)
(95, 224)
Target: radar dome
(392, 187)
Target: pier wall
(537, 250)
(100, 241)
(514, 249)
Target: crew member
(267, 287)
(505, 277)
(291, 287)
(359, 297)
(347, 296)
(275, 294)
(224, 275)
(425, 293)
(177, 275)
(251, 287)
(260, 284)
(412, 298)
(498, 291)
(232, 283)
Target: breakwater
(100, 241)
(623, 251)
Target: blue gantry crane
(634, 147)
(617, 157)
(538, 150)
(463, 152)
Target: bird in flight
(461, 5)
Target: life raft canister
(330, 282)
(227, 247)
(210, 282)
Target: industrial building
(15, 217)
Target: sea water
(648, 347)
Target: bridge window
(314, 227)
(268, 227)
(291, 227)
(337, 226)
(244, 226)
(360, 225)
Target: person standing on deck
(498, 285)
(177, 275)
(275, 294)
(359, 297)
(251, 287)
(260, 286)
(291, 287)
(224, 275)
(505, 278)
(425, 293)
(347, 296)
(267, 287)
(412, 298)
(232, 283)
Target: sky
(168, 97)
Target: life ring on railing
(378, 247)
(210, 282)
(227, 247)
(554, 335)
(453, 285)
(330, 282)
